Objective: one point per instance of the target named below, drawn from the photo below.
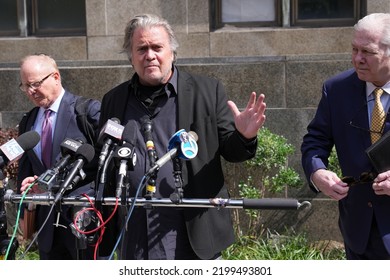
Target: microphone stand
(100, 184)
(177, 196)
(4, 240)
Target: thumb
(233, 108)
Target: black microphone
(111, 132)
(147, 129)
(14, 149)
(125, 154)
(69, 148)
(182, 144)
(152, 155)
(84, 154)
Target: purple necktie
(46, 139)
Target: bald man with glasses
(54, 106)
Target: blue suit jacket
(29, 164)
(344, 100)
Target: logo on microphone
(125, 152)
(189, 149)
(12, 150)
(186, 144)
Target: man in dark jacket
(168, 99)
(41, 82)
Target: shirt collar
(370, 87)
(171, 83)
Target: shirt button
(369, 204)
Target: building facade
(282, 48)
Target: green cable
(17, 220)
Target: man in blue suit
(343, 120)
(41, 82)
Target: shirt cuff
(314, 186)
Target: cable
(17, 222)
(99, 215)
(130, 211)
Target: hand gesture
(249, 121)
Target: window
(8, 18)
(42, 17)
(248, 13)
(313, 13)
(325, 12)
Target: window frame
(34, 29)
(219, 24)
(327, 22)
(28, 23)
(286, 16)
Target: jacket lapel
(62, 123)
(185, 97)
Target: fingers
(27, 182)
(381, 188)
(382, 177)
(258, 104)
(251, 101)
(330, 184)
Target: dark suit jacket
(344, 100)
(202, 108)
(29, 164)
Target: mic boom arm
(241, 203)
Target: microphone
(111, 131)
(125, 154)
(147, 129)
(152, 155)
(69, 148)
(14, 149)
(84, 154)
(182, 144)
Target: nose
(30, 90)
(149, 54)
(358, 57)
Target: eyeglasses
(35, 85)
(353, 120)
(365, 177)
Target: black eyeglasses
(353, 120)
(365, 177)
(35, 85)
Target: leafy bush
(334, 163)
(270, 168)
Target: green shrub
(270, 169)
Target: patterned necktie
(46, 139)
(377, 117)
